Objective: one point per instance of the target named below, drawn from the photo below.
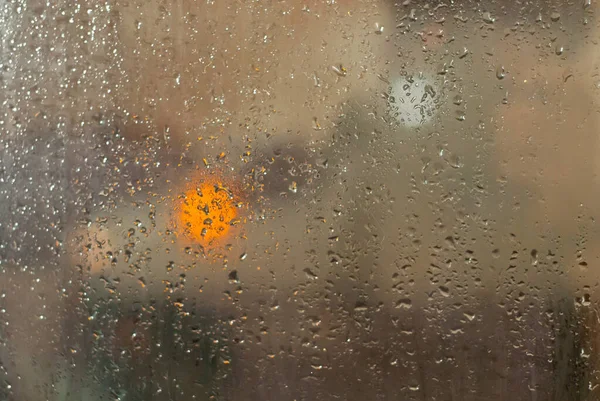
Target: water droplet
(488, 18)
(452, 159)
(429, 91)
(360, 306)
(316, 125)
(310, 274)
(442, 69)
(559, 50)
(233, 277)
(404, 303)
(339, 70)
(316, 80)
(500, 72)
(413, 15)
(534, 257)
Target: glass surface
(285, 200)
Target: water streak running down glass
(286, 200)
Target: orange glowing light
(207, 212)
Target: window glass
(283, 200)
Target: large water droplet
(500, 72)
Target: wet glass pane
(285, 200)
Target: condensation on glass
(282, 200)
